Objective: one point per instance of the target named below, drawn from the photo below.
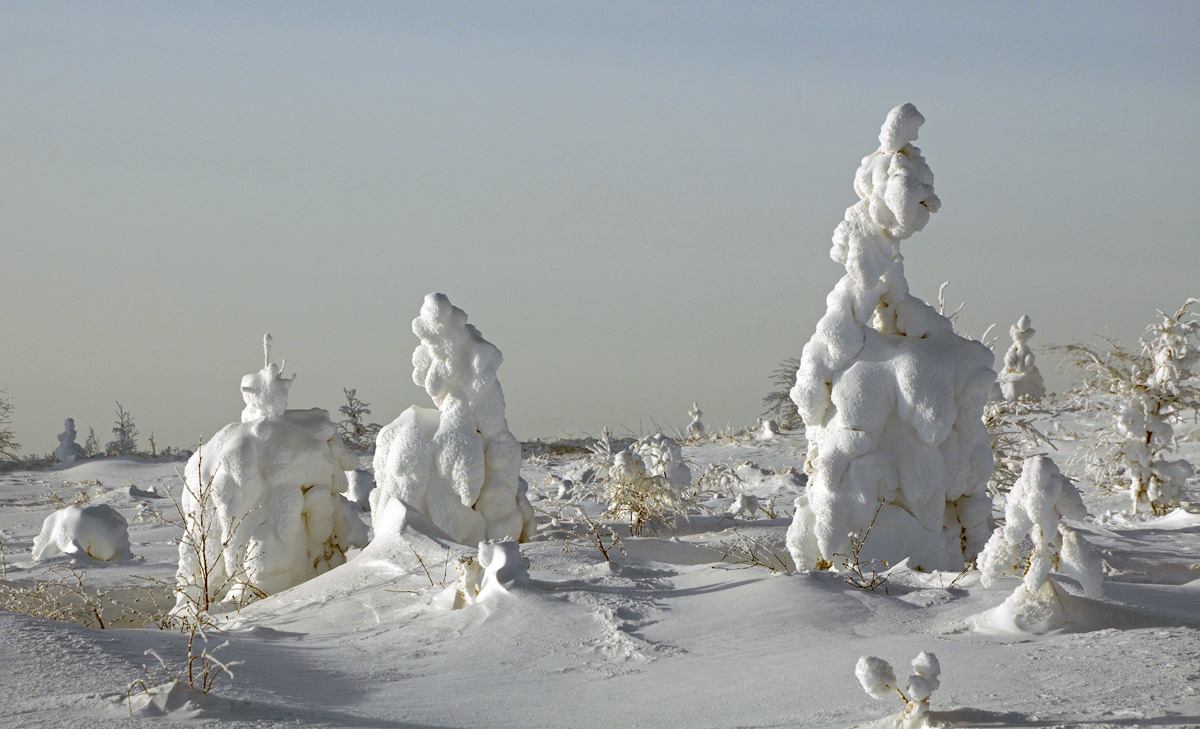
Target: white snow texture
(458, 465)
(891, 397)
(97, 530)
(262, 499)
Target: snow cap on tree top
(900, 128)
(266, 391)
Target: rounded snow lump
(97, 530)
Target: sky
(633, 201)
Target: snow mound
(891, 397)
(360, 484)
(97, 530)
(459, 465)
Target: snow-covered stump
(892, 399)
(261, 501)
(1020, 379)
(1037, 505)
(96, 530)
(695, 428)
(68, 451)
(459, 464)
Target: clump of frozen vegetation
(780, 406)
(878, 679)
(355, 430)
(647, 483)
(261, 504)
(768, 430)
(892, 399)
(68, 451)
(124, 442)
(1034, 541)
(97, 530)
(8, 443)
(696, 427)
(458, 464)
(1154, 388)
(1020, 378)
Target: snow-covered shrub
(459, 465)
(261, 502)
(744, 504)
(1014, 437)
(878, 679)
(1020, 378)
(768, 430)
(696, 427)
(68, 451)
(1034, 540)
(647, 483)
(358, 434)
(498, 568)
(663, 457)
(97, 530)
(891, 397)
(124, 442)
(1153, 389)
(91, 446)
(780, 406)
(8, 444)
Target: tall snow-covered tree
(891, 397)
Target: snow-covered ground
(674, 632)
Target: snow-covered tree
(261, 503)
(1034, 542)
(1154, 387)
(458, 464)
(696, 427)
(358, 434)
(780, 406)
(8, 444)
(91, 446)
(891, 397)
(124, 440)
(68, 451)
(1020, 378)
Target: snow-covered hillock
(96, 530)
(458, 464)
(891, 397)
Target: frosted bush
(768, 430)
(1034, 540)
(68, 451)
(746, 504)
(262, 502)
(878, 679)
(124, 440)
(696, 427)
(459, 465)
(97, 530)
(1154, 388)
(8, 443)
(663, 457)
(1020, 378)
(892, 399)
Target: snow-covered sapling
(768, 430)
(891, 397)
(1020, 378)
(68, 451)
(358, 434)
(878, 679)
(696, 427)
(97, 530)
(458, 464)
(261, 504)
(8, 444)
(1034, 541)
(1154, 387)
(124, 440)
(647, 483)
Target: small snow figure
(696, 427)
(68, 451)
(1020, 378)
(879, 680)
(262, 500)
(1038, 502)
(892, 399)
(97, 530)
(459, 464)
(769, 430)
(744, 504)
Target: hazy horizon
(633, 202)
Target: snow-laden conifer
(891, 397)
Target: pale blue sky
(633, 201)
